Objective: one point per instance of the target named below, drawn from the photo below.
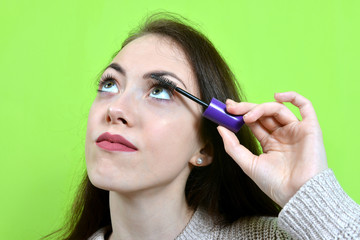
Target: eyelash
(103, 79)
(152, 84)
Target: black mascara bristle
(164, 81)
(172, 86)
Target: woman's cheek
(96, 115)
(170, 126)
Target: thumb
(241, 155)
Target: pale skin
(293, 150)
(147, 186)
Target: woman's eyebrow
(120, 70)
(117, 67)
(163, 73)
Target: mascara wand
(215, 111)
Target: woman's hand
(293, 150)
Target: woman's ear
(204, 157)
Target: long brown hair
(221, 188)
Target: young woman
(157, 170)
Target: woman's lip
(110, 146)
(114, 142)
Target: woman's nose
(120, 111)
(116, 115)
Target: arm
(293, 158)
(321, 210)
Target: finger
(270, 123)
(305, 107)
(241, 155)
(259, 131)
(238, 108)
(272, 109)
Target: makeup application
(215, 111)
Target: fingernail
(247, 115)
(229, 102)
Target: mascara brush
(215, 111)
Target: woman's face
(141, 136)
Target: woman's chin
(111, 182)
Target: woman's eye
(160, 92)
(109, 86)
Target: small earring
(199, 161)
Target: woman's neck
(160, 215)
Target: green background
(52, 51)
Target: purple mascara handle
(216, 112)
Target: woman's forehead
(155, 52)
(156, 46)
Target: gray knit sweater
(319, 210)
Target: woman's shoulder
(203, 226)
(258, 227)
(254, 227)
